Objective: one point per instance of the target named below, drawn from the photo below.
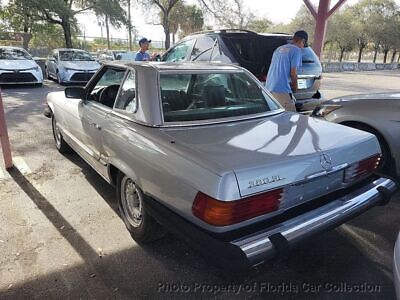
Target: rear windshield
(195, 97)
(308, 56)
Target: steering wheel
(108, 95)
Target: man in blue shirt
(282, 73)
(142, 55)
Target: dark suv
(252, 51)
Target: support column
(5, 142)
(321, 18)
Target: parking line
(21, 165)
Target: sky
(278, 11)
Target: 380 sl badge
(265, 180)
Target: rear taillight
(361, 169)
(222, 213)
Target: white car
(18, 67)
(71, 66)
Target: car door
(100, 98)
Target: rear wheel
(47, 74)
(142, 226)
(61, 145)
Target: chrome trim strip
(81, 155)
(324, 173)
(80, 144)
(222, 120)
(259, 247)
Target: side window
(127, 96)
(203, 48)
(107, 85)
(179, 52)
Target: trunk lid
(282, 150)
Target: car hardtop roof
(168, 66)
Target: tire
(60, 82)
(61, 145)
(385, 165)
(142, 226)
(47, 74)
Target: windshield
(75, 55)
(124, 55)
(194, 97)
(14, 54)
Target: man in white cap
(282, 73)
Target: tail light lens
(361, 169)
(222, 213)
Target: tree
(61, 12)
(375, 16)
(345, 39)
(113, 14)
(48, 36)
(303, 21)
(185, 18)
(129, 24)
(259, 25)
(19, 18)
(228, 13)
(193, 20)
(165, 7)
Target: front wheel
(142, 226)
(61, 145)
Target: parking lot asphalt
(61, 237)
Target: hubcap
(57, 133)
(132, 202)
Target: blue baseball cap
(144, 40)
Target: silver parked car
(18, 67)
(71, 66)
(204, 149)
(376, 113)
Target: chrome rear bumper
(265, 244)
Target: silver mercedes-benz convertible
(205, 151)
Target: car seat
(214, 95)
